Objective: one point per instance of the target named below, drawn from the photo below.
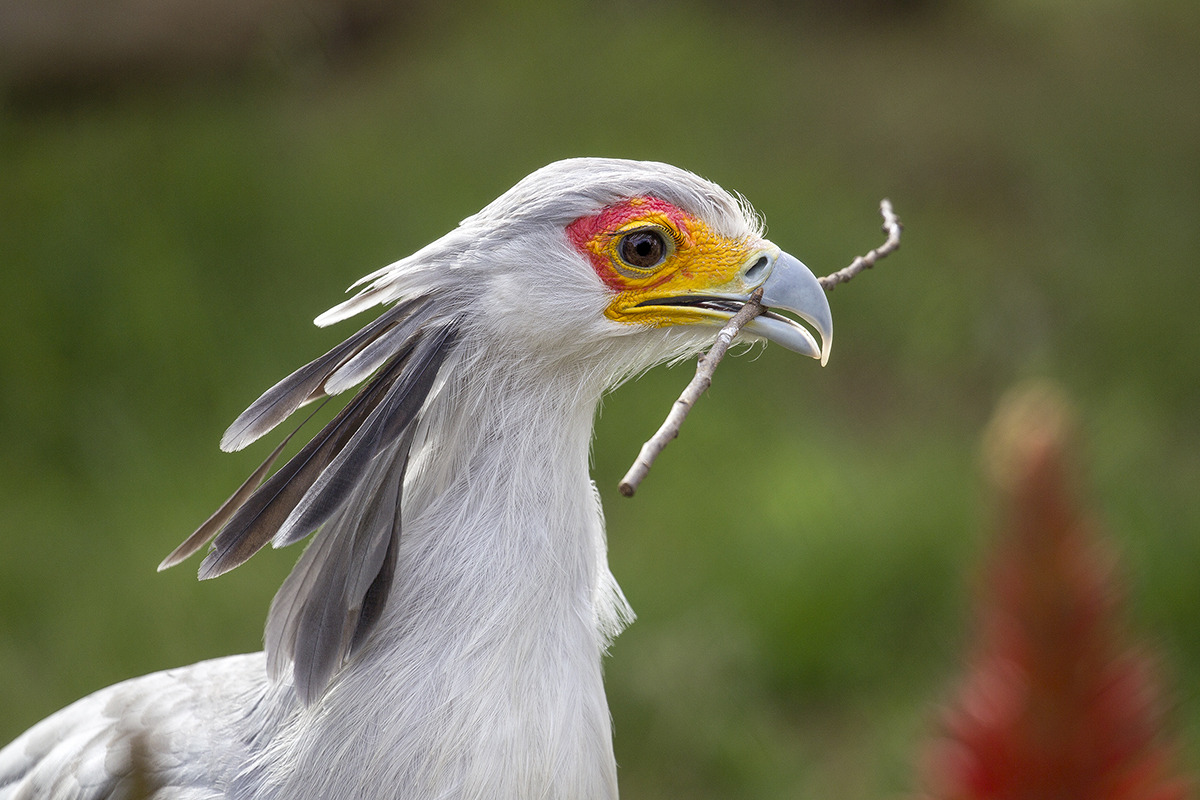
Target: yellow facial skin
(621, 240)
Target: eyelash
(671, 233)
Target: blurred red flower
(1056, 705)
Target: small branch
(892, 227)
(707, 365)
(705, 368)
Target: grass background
(801, 559)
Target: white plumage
(442, 635)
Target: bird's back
(183, 730)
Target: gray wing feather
(181, 732)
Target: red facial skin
(591, 235)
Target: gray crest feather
(346, 481)
(308, 383)
(258, 519)
(356, 369)
(220, 517)
(330, 601)
(376, 433)
(356, 430)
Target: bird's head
(587, 252)
(588, 269)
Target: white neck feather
(484, 677)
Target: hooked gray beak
(790, 286)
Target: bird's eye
(642, 249)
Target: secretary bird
(442, 634)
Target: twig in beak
(707, 365)
(705, 368)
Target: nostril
(757, 269)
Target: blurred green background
(802, 558)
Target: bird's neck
(501, 514)
(503, 603)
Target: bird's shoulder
(175, 732)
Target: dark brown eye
(644, 249)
